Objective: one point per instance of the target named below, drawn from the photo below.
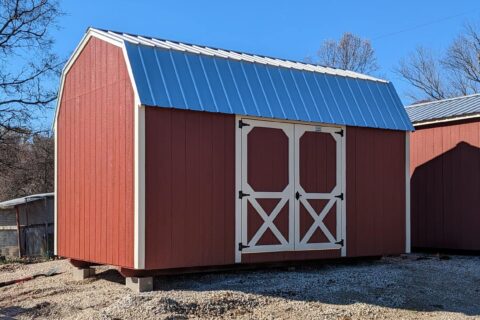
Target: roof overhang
(11, 204)
(446, 120)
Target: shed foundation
(83, 273)
(139, 284)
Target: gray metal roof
(9, 204)
(444, 109)
(184, 76)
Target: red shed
(445, 166)
(172, 155)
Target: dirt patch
(409, 287)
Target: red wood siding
(445, 186)
(95, 158)
(375, 194)
(190, 191)
(190, 188)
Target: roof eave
(445, 120)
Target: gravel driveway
(408, 287)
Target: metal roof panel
(185, 77)
(444, 109)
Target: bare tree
(350, 53)
(424, 73)
(462, 61)
(27, 68)
(26, 60)
(455, 72)
(30, 165)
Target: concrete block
(137, 284)
(83, 273)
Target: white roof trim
(444, 120)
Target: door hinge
(241, 246)
(340, 196)
(340, 132)
(242, 124)
(297, 195)
(340, 242)
(241, 194)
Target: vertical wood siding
(95, 158)
(190, 188)
(445, 186)
(375, 192)
(190, 192)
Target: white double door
(291, 194)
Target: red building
(171, 156)
(445, 167)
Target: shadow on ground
(420, 283)
(14, 311)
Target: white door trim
(302, 243)
(289, 192)
(285, 196)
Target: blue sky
(285, 29)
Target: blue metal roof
(175, 78)
(444, 109)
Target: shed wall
(375, 192)
(190, 192)
(190, 188)
(96, 158)
(445, 185)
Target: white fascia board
(83, 42)
(445, 120)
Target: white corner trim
(407, 194)
(343, 251)
(139, 171)
(139, 191)
(55, 197)
(238, 187)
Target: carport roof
(9, 204)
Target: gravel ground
(407, 287)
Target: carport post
(17, 214)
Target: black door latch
(340, 242)
(297, 195)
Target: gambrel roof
(178, 75)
